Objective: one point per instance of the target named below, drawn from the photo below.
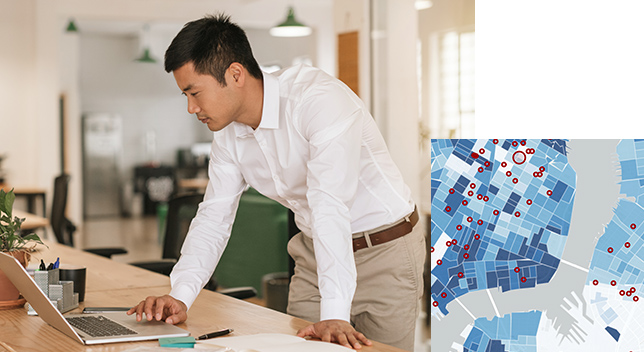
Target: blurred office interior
(75, 97)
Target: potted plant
(13, 242)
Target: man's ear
(237, 73)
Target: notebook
(273, 343)
(85, 328)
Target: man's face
(214, 105)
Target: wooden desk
(211, 310)
(32, 221)
(193, 184)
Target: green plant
(11, 239)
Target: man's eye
(194, 94)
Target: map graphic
(526, 259)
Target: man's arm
(333, 127)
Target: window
(455, 93)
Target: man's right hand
(166, 308)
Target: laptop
(87, 329)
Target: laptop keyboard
(99, 326)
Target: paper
(274, 343)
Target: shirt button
(292, 202)
(275, 177)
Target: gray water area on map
(596, 165)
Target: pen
(42, 265)
(215, 334)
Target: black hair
(211, 43)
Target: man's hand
(338, 331)
(167, 308)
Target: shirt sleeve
(210, 229)
(331, 121)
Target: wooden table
(111, 283)
(32, 221)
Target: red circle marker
(514, 143)
(632, 289)
(435, 303)
(448, 243)
(519, 157)
(610, 249)
(549, 192)
(627, 244)
(515, 180)
(472, 185)
(629, 293)
(504, 164)
(479, 196)
(480, 169)
(613, 283)
(495, 212)
(534, 174)
(432, 249)
(480, 222)
(475, 156)
(508, 173)
(451, 191)
(460, 275)
(469, 219)
(444, 295)
(523, 142)
(633, 226)
(529, 201)
(439, 262)
(635, 298)
(482, 151)
(517, 214)
(523, 279)
(622, 292)
(466, 247)
(516, 270)
(470, 193)
(464, 202)
(595, 282)
(542, 169)
(448, 208)
(495, 141)
(486, 198)
(459, 227)
(454, 242)
(477, 237)
(466, 255)
(487, 164)
(539, 174)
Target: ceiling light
(423, 4)
(291, 27)
(145, 56)
(71, 26)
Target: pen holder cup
(77, 274)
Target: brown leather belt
(388, 234)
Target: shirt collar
(270, 107)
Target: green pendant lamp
(71, 26)
(291, 27)
(145, 56)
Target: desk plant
(12, 242)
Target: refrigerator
(102, 164)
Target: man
(302, 138)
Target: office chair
(63, 228)
(181, 210)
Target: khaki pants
(389, 291)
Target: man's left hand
(338, 331)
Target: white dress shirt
(318, 152)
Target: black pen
(215, 334)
